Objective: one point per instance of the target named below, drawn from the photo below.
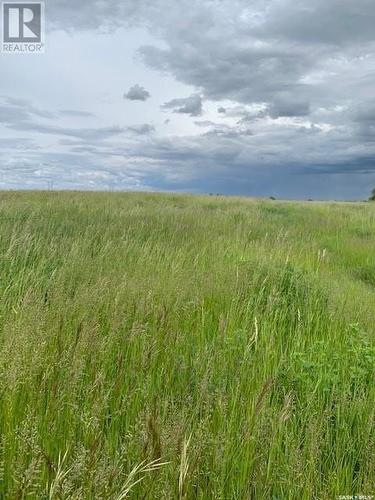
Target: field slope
(165, 346)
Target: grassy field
(178, 347)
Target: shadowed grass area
(165, 346)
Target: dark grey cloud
(289, 108)
(137, 93)
(235, 50)
(228, 160)
(273, 53)
(363, 116)
(188, 105)
(364, 113)
(337, 22)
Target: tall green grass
(162, 346)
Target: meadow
(179, 347)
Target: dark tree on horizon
(372, 197)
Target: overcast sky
(249, 97)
